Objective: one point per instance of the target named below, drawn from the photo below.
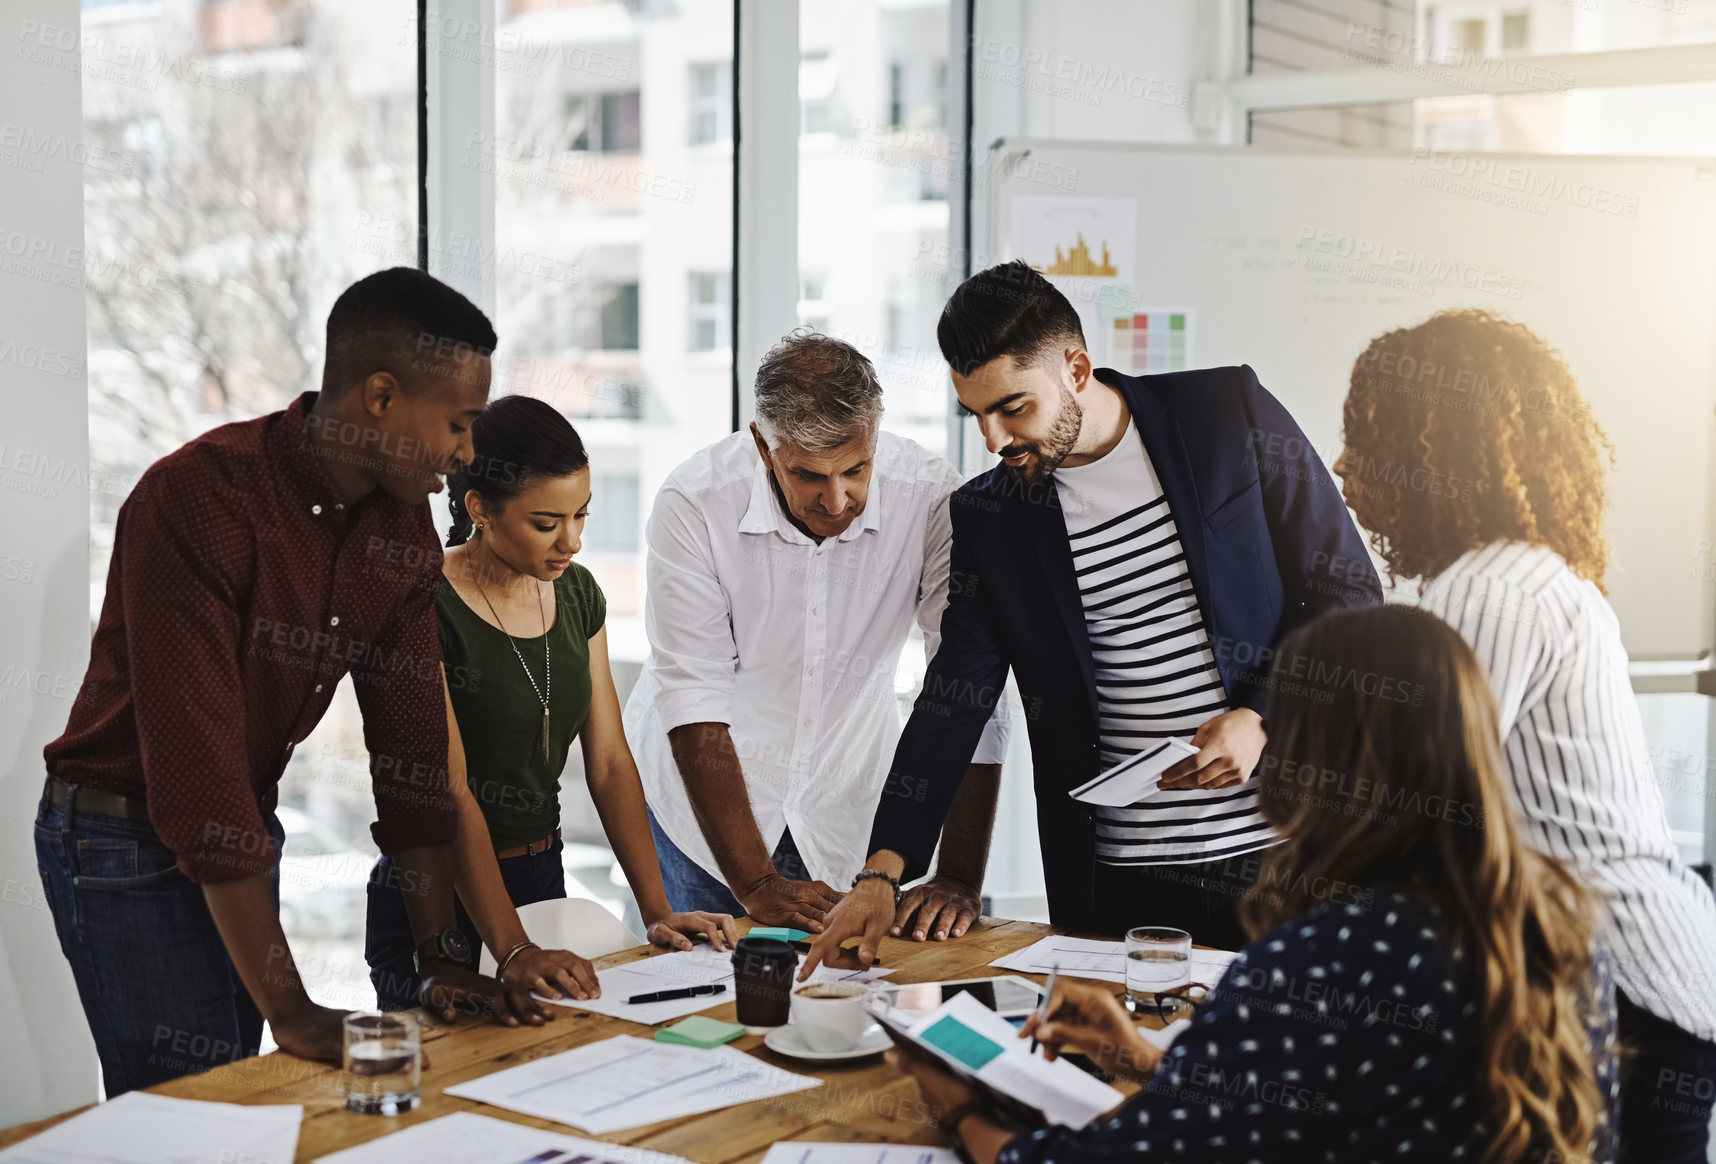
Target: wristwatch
(448, 945)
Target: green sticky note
(778, 933)
(699, 1031)
(1176, 322)
(960, 1041)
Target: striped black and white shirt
(1156, 675)
(1581, 778)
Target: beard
(1047, 454)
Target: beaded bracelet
(878, 875)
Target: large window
(874, 163)
(263, 156)
(620, 318)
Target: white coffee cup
(831, 1016)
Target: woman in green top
(525, 654)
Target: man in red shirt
(251, 570)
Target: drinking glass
(1158, 960)
(383, 1062)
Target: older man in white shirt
(786, 568)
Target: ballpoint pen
(670, 995)
(1043, 1006)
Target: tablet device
(1008, 995)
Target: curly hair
(1469, 429)
(1516, 920)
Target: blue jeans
(162, 997)
(1667, 1080)
(388, 945)
(690, 887)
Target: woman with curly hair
(1419, 984)
(1477, 466)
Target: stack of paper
(700, 967)
(468, 1138)
(624, 1082)
(981, 1043)
(139, 1128)
(1089, 958)
(1135, 778)
(699, 1031)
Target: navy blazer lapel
(1159, 429)
(1041, 505)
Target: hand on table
(312, 1032)
(554, 974)
(451, 992)
(1228, 748)
(1090, 1021)
(674, 931)
(944, 907)
(781, 901)
(866, 913)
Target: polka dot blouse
(1345, 1035)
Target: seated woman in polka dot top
(1420, 985)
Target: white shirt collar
(765, 515)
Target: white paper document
(468, 1138)
(1078, 957)
(139, 1128)
(982, 1043)
(1134, 779)
(625, 1082)
(675, 971)
(1090, 958)
(816, 1152)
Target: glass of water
(1158, 960)
(383, 1062)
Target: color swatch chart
(1151, 341)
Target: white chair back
(570, 923)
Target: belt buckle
(537, 848)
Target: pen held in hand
(1043, 1006)
(671, 995)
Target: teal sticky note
(961, 1042)
(778, 933)
(699, 1031)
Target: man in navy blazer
(1264, 543)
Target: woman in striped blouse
(1477, 466)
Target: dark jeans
(162, 997)
(690, 887)
(1200, 898)
(1668, 1078)
(387, 942)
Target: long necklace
(547, 688)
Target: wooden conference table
(863, 1100)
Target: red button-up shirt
(241, 589)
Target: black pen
(670, 995)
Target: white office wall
(49, 1062)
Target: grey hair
(816, 393)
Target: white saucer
(787, 1041)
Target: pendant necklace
(547, 688)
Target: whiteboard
(1273, 257)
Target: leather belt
(530, 850)
(93, 800)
